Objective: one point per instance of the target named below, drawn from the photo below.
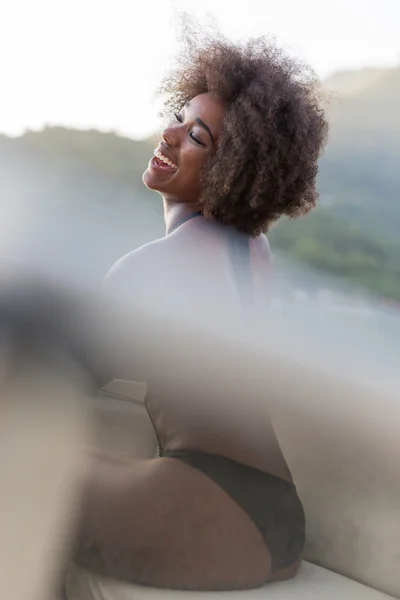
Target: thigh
(164, 523)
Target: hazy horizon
(95, 63)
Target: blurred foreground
(58, 344)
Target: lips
(163, 158)
(159, 165)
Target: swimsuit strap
(239, 249)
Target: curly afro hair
(273, 133)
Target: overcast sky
(95, 63)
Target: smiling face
(187, 143)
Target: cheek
(192, 167)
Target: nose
(170, 136)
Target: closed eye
(194, 137)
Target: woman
(217, 510)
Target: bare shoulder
(138, 264)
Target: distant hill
(74, 201)
(350, 83)
(355, 229)
(365, 114)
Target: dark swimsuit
(271, 502)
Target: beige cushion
(312, 583)
(350, 487)
(122, 425)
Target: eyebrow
(206, 127)
(203, 125)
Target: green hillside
(354, 231)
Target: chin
(152, 182)
(147, 179)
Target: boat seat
(311, 583)
(348, 483)
(122, 424)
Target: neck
(175, 212)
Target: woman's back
(202, 271)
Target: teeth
(164, 159)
